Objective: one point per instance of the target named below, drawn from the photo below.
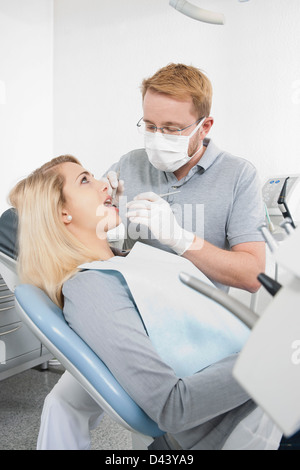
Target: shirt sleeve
(100, 308)
(247, 213)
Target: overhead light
(198, 13)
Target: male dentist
(223, 239)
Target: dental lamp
(198, 13)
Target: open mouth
(108, 202)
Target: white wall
(26, 130)
(103, 49)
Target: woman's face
(88, 202)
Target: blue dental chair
(46, 321)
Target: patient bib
(188, 330)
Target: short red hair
(182, 81)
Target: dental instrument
(272, 244)
(242, 312)
(270, 223)
(271, 285)
(168, 194)
(281, 195)
(114, 191)
(287, 225)
(282, 204)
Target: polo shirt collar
(210, 155)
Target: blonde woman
(64, 215)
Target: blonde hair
(48, 253)
(182, 81)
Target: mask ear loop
(197, 127)
(194, 132)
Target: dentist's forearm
(236, 268)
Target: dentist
(213, 220)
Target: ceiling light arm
(197, 13)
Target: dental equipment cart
(288, 188)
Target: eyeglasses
(169, 130)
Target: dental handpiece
(287, 224)
(282, 204)
(271, 242)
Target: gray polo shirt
(220, 199)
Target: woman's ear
(66, 217)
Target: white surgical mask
(169, 152)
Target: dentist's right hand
(152, 211)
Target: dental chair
(47, 322)
(8, 242)
(8, 271)
(20, 350)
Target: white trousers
(69, 413)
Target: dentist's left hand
(155, 213)
(114, 183)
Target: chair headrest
(9, 233)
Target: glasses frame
(162, 128)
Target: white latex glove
(155, 213)
(114, 184)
